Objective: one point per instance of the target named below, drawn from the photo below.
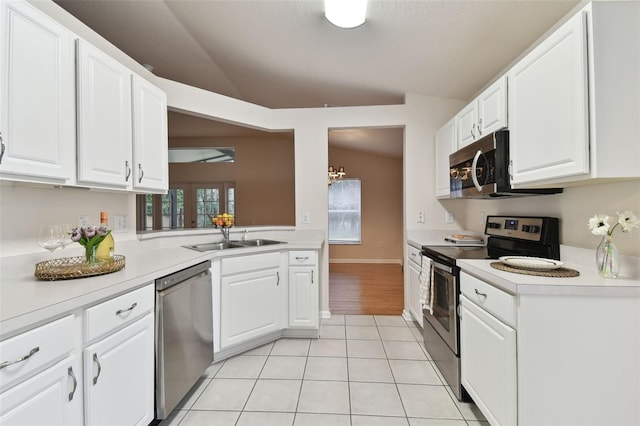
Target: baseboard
(380, 261)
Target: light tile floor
(363, 370)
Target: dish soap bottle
(104, 251)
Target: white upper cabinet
(37, 96)
(445, 145)
(150, 162)
(548, 107)
(492, 108)
(573, 99)
(104, 119)
(485, 114)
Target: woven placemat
(554, 273)
(68, 268)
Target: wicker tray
(554, 273)
(67, 268)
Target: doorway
(365, 273)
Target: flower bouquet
(90, 237)
(223, 222)
(607, 257)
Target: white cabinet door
(446, 144)
(119, 376)
(104, 119)
(492, 108)
(415, 307)
(150, 145)
(303, 297)
(548, 111)
(250, 306)
(467, 129)
(488, 363)
(37, 95)
(53, 397)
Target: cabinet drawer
(30, 351)
(109, 315)
(307, 257)
(413, 254)
(255, 262)
(493, 300)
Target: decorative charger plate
(66, 268)
(527, 262)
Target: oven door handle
(443, 267)
(473, 171)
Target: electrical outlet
(449, 217)
(83, 220)
(120, 223)
(420, 217)
(306, 217)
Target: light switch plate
(83, 220)
(120, 223)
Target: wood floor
(366, 289)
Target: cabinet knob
(21, 359)
(127, 171)
(2, 148)
(75, 383)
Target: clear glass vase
(608, 258)
(90, 254)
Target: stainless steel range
(508, 235)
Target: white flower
(599, 224)
(628, 221)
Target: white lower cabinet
(250, 297)
(119, 376)
(414, 305)
(53, 397)
(303, 289)
(489, 363)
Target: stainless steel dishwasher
(184, 334)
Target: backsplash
(574, 208)
(23, 208)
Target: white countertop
(436, 237)
(588, 283)
(26, 301)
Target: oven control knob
(493, 225)
(534, 229)
(526, 228)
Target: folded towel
(426, 279)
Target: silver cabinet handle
(278, 275)
(75, 383)
(480, 127)
(312, 276)
(95, 359)
(127, 170)
(302, 258)
(140, 173)
(2, 148)
(480, 294)
(473, 128)
(130, 308)
(24, 358)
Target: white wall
(574, 207)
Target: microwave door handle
(473, 171)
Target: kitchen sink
(258, 242)
(224, 245)
(214, 246)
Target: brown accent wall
(381, 180)
(263, 173)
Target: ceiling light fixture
(335, 174)
(345, 13)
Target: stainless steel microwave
(481, 170)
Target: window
(344, 212)
(186, 206)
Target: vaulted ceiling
(285, 54)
